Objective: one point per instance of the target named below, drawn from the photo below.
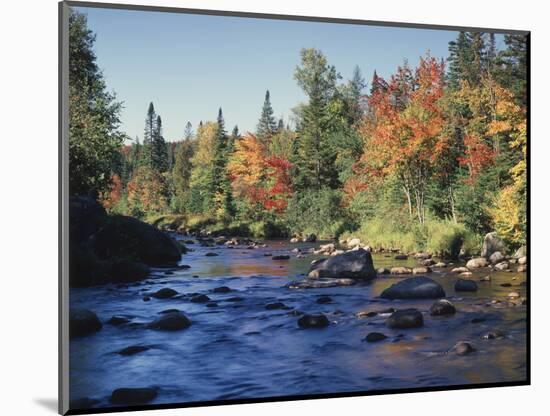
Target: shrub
(317, 211)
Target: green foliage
(443, 238)
(317, 211)
(267, 126)
(94, 139)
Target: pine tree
(267, 126)
(181, 173)
(188, 134)
(148, 136)
(353, 93)
(314, 154)
(280, 125)
(159, 153)
(218, 182)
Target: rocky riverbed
(227, 323)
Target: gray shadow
(49, 404)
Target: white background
(28, 205)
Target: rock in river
(133, 349)
(492, 243)
(281, 257)
(463, 285)
(420, 287)
(83, 322)
(319, 283)
(355, 264)
(133, 396)
(375, 337)
(463, 348)
(496, 257)
(442, 307)
(172, 321)
(477, 263)
(324, 299)
(221, 289)
(164, 293)
(275, 305)
(401, 270)
(313, 321)
(421, 270)
(200, 298)
(124, 237)
(118, 320)
(405, 318)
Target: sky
(190, 65)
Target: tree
(267, 126)
(94, 138)
(314, 156)
(146, 193)
(403, 135)
(353, 93)
(181, 174)
(149, 133)
(200, 191)
(511, 67)
(159, 154)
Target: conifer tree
(159, 151)
(148, 136)
(267, 126)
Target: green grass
(443, 238)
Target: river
(239, 349)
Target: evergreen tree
(188, 134)
(181, 173)
(352, 94)
(267, 126)
(280, 125)
(314, 155)
(149, 133)
(219, 184)
(512, 67)
(159, 152)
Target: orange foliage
(260, 178)
(112, 197)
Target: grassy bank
(443, 238)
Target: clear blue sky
(190, 65)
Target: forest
(431, 158)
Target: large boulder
(356, 264)
(420, 287)
(86, 217)
(492, 243)
(83, 322)
(127, 237)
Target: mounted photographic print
(264, 207)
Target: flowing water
(238, 349)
